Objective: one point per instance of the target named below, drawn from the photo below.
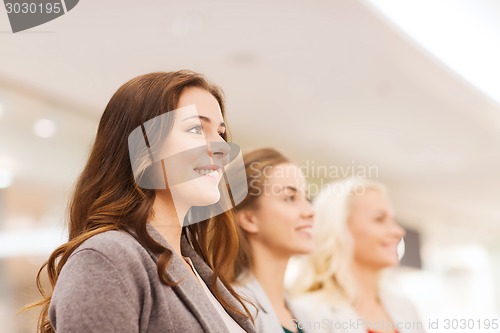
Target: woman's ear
(246, 219)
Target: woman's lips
(393, 247)
(209, 169)
(207, 172)
(305, 230)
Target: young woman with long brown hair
(274, 224)
(132, 263)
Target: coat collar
(190, 291)
(254, 290)
(206, 274)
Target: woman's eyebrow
(294, 190)
(204, 119)
(289, 187)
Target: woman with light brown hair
(274, 224)
(137, 258)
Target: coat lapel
(189, 289)
(206, 274)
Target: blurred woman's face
(283, 214)
(376, 235)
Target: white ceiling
(329, 82)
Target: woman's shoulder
(102, 283)
(318, 312)
(105, 261)
(111, 240)
(258, 303)
(401, 309)
(394, 298)
(317, 304)
(249, 287)
(115, 247)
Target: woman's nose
(218, 149)
(398, 230)
(308, 210)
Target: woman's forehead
(205, 104)
(288, 175)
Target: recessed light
(243, 59)
(6, 178)
(45, 128)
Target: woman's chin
(195, 195)
(207, 197)
(207, 192)
(388, 263)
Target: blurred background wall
(403, 91)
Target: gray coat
(110, 283)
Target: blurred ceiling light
(44, 128)
(2, 110)
(461, 34)
(243, 59)
(7, 163)
(6, 178)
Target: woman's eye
(198, 129)
(290, 198)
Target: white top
(328, 318)
(231, 324)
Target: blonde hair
(328, 267)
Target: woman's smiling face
(283, 216)
(194, 150)
(376, 235)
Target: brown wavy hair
(106, 196)
(256, 164)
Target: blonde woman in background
(355, 239)
(274, 223)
